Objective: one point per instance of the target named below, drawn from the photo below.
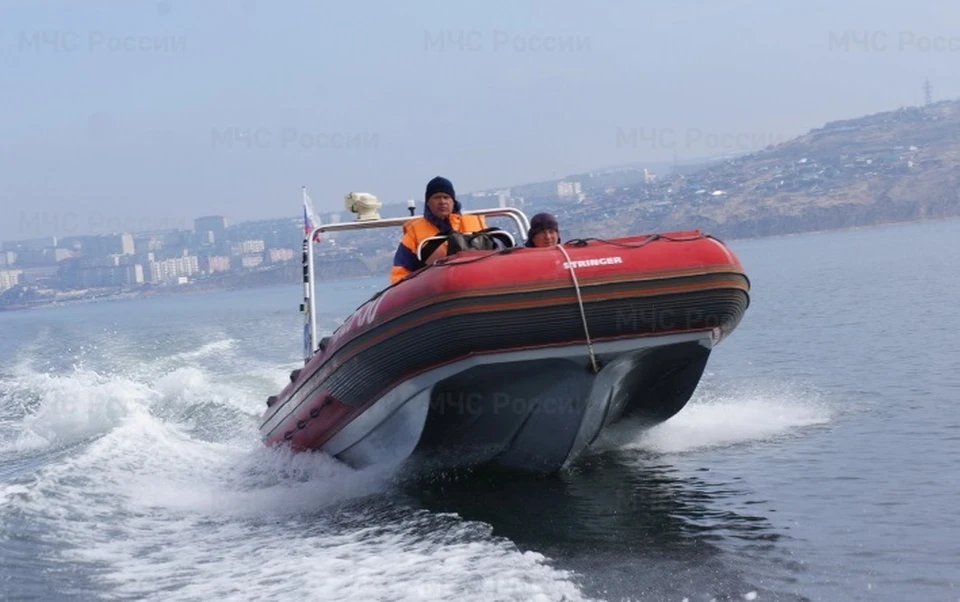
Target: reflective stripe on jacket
(420, 228)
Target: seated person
(544, 231)
(441, 215)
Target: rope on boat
(582, 242)
(583, 313)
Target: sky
(129, 115)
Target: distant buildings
(150, 243)
(9, 279)
(484, 199)
(175, 270)
(31, 244)
(280, 255)
(211, 264)
(251, 261)
(248, 247)
(103, 276)
(106, 244)
(212, 228)
(568, 189)
(115, 270)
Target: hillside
(895, 166)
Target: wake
(713, 420)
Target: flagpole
(308, 307)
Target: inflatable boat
(511, 357)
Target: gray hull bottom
(530, 410)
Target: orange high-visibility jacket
(417, 229)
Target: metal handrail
(309, 299)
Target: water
(818, 460)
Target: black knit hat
(541, 222)
(439, 184)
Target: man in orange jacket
(441, 215)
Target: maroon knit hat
(543, 221)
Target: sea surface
(818, 460)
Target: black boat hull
(532, 410)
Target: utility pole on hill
(927, 92)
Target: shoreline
(928, 220)
(179, 290)
(204, 288)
